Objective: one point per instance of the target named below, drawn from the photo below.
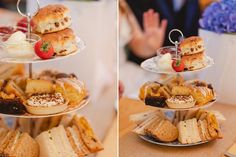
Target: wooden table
(131, 145)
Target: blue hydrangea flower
(220, 17)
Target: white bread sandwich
(78, 139)
(55, 142)
(188, 131)
(18, 144)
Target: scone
(72, 90)
(52, 18)
(194, 61)
(63, 42)
(191, 45)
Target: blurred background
(95, 23)
(144, 26)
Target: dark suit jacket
(186, 19)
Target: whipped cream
(180, 99)
(17, 45)
(46, 100)
(165, 62)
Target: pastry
(213, 126)
(9, 70)
(191, 45)
(63, 42)
(188, 131)
(175, 81)
(51, 18)
(149, 89)
(194, 61)
(180, 90)
(34, 86)
(53, 75)
(156, 101)
(180, 101)
(72, 89)
(202, 95)
(12, 88)
(165, 91)
(87, 134)
(12, 106)
(46, 104)
(18, 144)
(162, 130)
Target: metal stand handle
(28, 16)
(176, 43)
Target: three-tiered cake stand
(152, 66)
(30, 61)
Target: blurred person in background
(180, 14)
(143, 43)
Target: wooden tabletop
(131, 145)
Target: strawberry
(22, 24)
(178, 65)
(44, 49)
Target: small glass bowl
(168, 49)
(24, 49)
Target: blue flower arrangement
(220, 17)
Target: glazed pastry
(72, 89)
(149, 89)
(201, 91)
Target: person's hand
(154, 30)
(145, 42)
(121, 89)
